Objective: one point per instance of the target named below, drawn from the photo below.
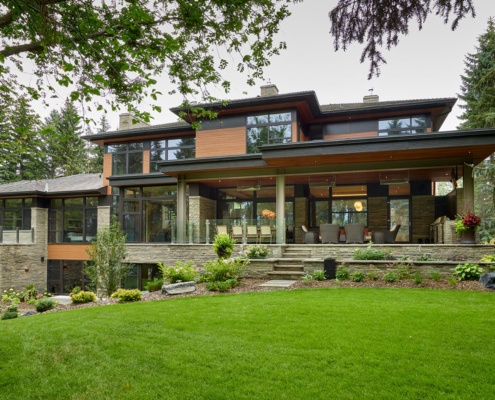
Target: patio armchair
(388, 235)
(252, 233)
(330, 233)
(237, 232)
(354, 233)
(309, 237)
(221, 229)
(265, 232)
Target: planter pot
(468, 237)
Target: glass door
(399, 212)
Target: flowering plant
(268, 214)
(464, 223)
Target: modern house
(277, 160)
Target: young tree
(106, 267)
(380, 23)
(118, 48)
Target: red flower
(471, 220)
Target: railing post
(17, 235)
(207, 238)
(191, 229)
(172, 233)
(1, 234)
(244, 231)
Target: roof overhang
(141, 179)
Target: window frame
(167, 149)
(269, 125)
(25, 213)
(128, 153)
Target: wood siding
(68, 251)
(221, 142)
(146, 161)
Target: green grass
(303, 344)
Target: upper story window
(127, 158)
(171, 149)
(73, 220)
(268, 129)
(15, 213)
(402, 125)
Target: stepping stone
(278, 283)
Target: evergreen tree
(21, 151)
(62, 136)
(478, 95)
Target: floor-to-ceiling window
(149, 213)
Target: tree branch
(7, 18)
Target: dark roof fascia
(141, 179)
(309, 97)
(132, 133)
(377, 144)
(400, 106)
(200, 164)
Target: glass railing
(244, 231)
(16, 236)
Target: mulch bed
(252, 285)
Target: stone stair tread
(285, 273)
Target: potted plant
(465, 226)
(223, 245)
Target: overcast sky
(426, 64)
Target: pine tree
(62, 136)
(478, 95)
(95, 152)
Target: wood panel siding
(294, 131)
(221, 142)
(146, 161)
(107, 171)
(68, 251)
(353, 135)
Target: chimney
(372, 98)
(269, 90)
(125, 122)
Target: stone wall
(201, 209)
(103, 217)
(23, 264)
(377, 213)
(423, 215)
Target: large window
(15, 213)
(73, 220)
(149, 213)
(268, 129)
(402, 125)
(171, 149)
(127, 158)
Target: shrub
(468, 272)
(404, 272)
(257, 252)
(342, 273)
(155, 285)
(11, 295)
(373, 275)
(370, 254)
(222, 269)
(29, 293)
(224, 286)
(318, 275)
(391, 276)
(452, 281)
(10, 315)
(488, 258)
(83, 297)
(435, 276)
(307, 279)
(127, 295)
(223, 246)
(182, 272)
(75, 290)
(418, 278)
(358, 276)
(44, 304)
(12, 308)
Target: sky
(426, 64)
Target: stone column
(280, 209)
(181, 210)
(103, 217)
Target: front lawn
(287, 344)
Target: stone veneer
(423, 214)
(23, 264)
(201, 209)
